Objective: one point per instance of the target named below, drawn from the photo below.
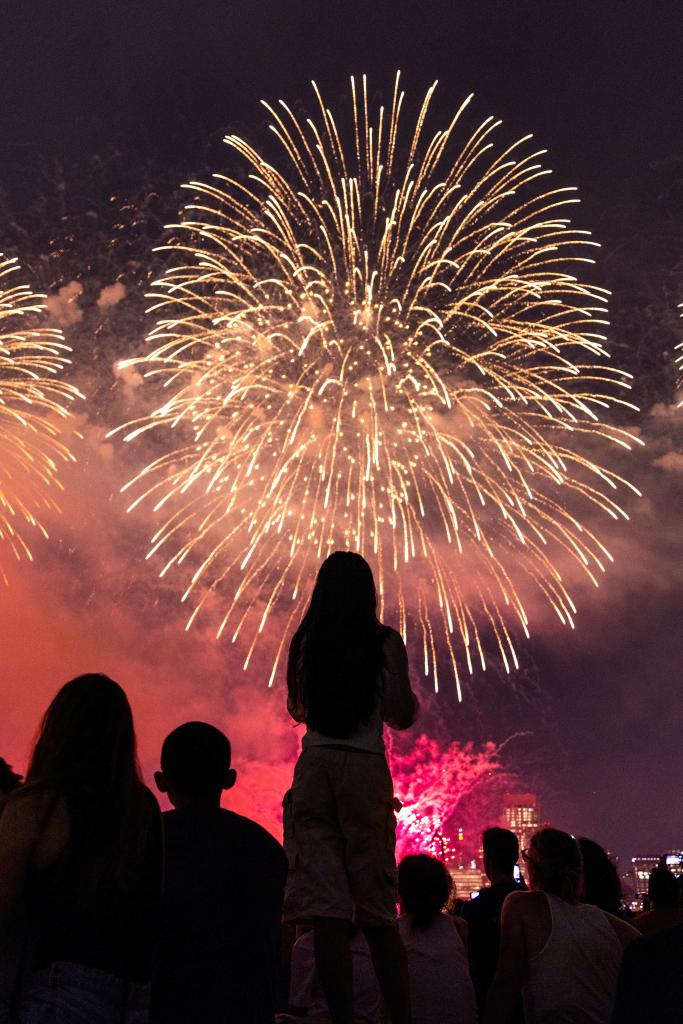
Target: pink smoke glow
(86, 604)
(90, 601)
(449, 793)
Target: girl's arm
(19, 825)
(400, 706)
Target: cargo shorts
(340, 838)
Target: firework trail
(33, 405)
(380, 344)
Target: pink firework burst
(448, 795)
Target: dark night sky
(600, 84)
(601, 87)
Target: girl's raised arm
(400, 706)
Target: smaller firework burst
(34, 405)
(445, 790)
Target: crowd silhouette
(113, 913)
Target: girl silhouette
(80, 862)
(347, 675)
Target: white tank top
(573, 979)
(441, 990)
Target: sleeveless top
(441, 990)
(573, 979)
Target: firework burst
(381, 344)
(33, 406)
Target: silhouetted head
(9, 780)
(195, 764)
(86, 740)
(554, 861)
(86, 753)
(601, 885)
(662, 888)
(424, 887)
(344, 586)
(335, 656)
(501, 852)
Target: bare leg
(391, 967)
(333, 963)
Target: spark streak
(385, 346)
(33, 406)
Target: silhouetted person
(501, 853)
(347, 675)
(9, 781)
(600, 885)
(441, 989)
(650, 988)
(223, 892)
(80, 857)
(563, 955)
(663, 896)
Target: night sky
(102, 100)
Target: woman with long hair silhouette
(81, 864)
(347, 675)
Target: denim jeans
(66, 993)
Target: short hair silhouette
(424, 886)
(195, 758)
(501, 848)
(662, 888)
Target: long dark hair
(335, 656)
(601, 885)
(85, 753)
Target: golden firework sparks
(679, 360)
(33, 407)
(384, 346)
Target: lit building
(642, 866)
(467, 878)
(464, 869)
(640, 874)
(522, 816)
(673, 860)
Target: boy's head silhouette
(195, 765)
(662, 888)
(501, 853)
